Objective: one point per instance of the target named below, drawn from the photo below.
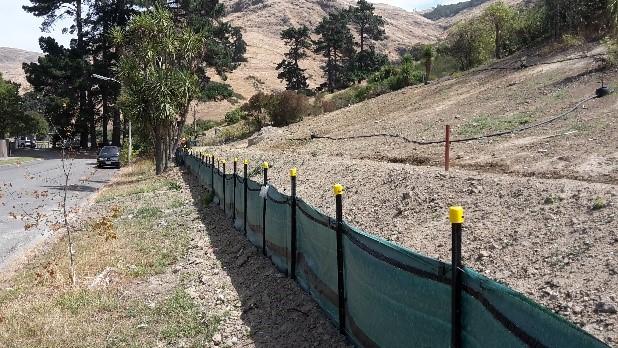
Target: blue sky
(22, 30)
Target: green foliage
(502, 18)
(280, 108)
(158, 77)
(370, 29)
(484, 124)
(235, 116)
(588, 18)
(336, 44)
(16, 116)
(287, 107)
(599, 203)
(471, 42)
(198, 127)
(217, 91)
(445, 11)
(299, 41)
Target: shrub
(287, 107)
(235, 116)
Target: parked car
(23, 142)
(109, 156)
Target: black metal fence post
(212, 173)
(293, 174)
(223, 185)
(265, 170)
(338, 189)
(246, 185)
(234, 194)
(456, 215)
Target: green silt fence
(394, 297)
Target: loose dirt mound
(540, 204)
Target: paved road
(37, 188)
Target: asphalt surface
(31, 196)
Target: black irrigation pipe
(524, 65)
(435, 142)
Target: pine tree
(370, 28)
(299, 41)
(51, 11)
(336, 44)
(103, 17)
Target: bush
(235, 116)
(287, 107)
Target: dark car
(109, 156)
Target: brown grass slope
(11, 60)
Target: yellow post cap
(222, 161)
(293, 172)
(338, 189)
(265, 165)
(235, 159)
(246, 161)
(456, 215)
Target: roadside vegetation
(133, 238)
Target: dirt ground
(540, 204)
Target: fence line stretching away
(377, 293)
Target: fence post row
(265, 169)
(456, 215)
(234, 194)
(338, 189)
(293, 174)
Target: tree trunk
(181, 125)
(498, 42)
(105, 120)
(93, 121)
(116, 127)
(159, 147)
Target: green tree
(9, 106)
(299, 41)
(103, 17)
(501, 17)
(370, 28)
(471, 43)
(53, 77)
(52, 11)
(429, 54)
(157, 71)
(336, 44)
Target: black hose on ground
(434, 142)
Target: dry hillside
(11, 60)
(540, 204)
(263, 20)
(476, 11)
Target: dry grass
(136, 230)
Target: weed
(76, 300)
(599, 203)
(184, 318)
(483, 124)
(147, 213)
(174, 186)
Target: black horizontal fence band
(328, 224)
(240, 180)
(442, 278)
(282, 201)
(254, 190)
